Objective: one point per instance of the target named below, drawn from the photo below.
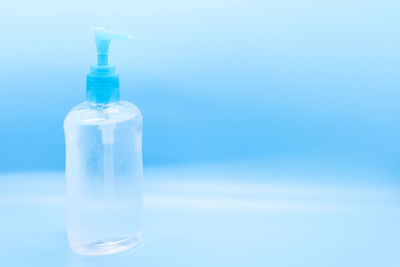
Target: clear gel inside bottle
(104, 177)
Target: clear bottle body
(104, 174)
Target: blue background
(302, 82)
(271, 134)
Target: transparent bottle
(104, 169)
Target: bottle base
(109, 246)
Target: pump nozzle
(103, 37)
(102, 84)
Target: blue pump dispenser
(102, 82)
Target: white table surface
(218, 216)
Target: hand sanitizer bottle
(104, 169)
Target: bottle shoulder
(89, 114)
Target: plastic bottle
(104, 168)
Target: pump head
(102, 83)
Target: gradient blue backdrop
(313, 82)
